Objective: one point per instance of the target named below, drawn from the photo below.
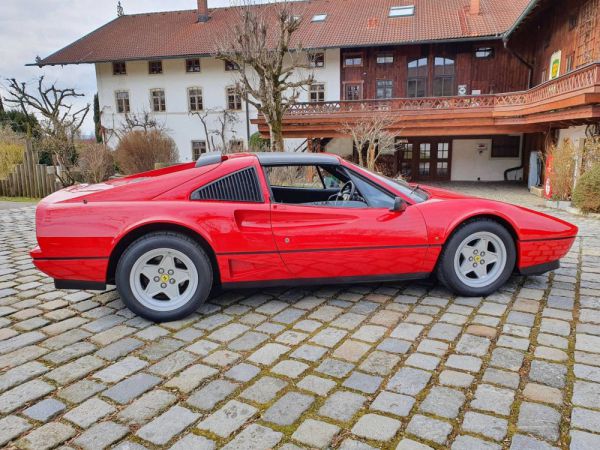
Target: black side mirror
(399, 205)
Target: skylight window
(319, 18)
(402, 11)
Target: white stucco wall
(575, 134)
(340, 146)
(213, 79)
(472, 162)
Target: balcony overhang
(571, 99)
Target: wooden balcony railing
(572, 83)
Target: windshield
(415, 193)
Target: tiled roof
(349, 23)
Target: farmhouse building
(474, 86)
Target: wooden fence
(30, 179)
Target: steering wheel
(347, 191)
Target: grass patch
(19, 199)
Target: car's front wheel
(477, 259)
(164, 276)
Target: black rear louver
(240, 186)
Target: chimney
(474, 9)
(203, 11)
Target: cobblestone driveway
(404, 366)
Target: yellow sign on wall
(555, 64)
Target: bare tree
(269, 65)
(60, 123)
(225, 127)
(371, 137)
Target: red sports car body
(269, 219)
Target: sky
(30, 28)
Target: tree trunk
(276, 136)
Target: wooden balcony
(571, 99)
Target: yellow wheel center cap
(477, 258)
(165, 278)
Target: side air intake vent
(240, 186)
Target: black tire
(446, 273)
(164, 239)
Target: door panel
(317, 242)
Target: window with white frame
(353, 60)
(119, 68)
(316, 60)
(234, 99)
(385, 58)
(195, 99)
(316, 93)
(122, 100)
(319, 18)
(158, 100)
(192, 65)
(155, 67)
(385, 89)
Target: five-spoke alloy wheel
(478, 258)
(164, 276)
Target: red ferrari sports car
(167, 237)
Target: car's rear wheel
(477, 259)
(164, 276)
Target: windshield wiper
(413, 189)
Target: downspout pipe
(521, 59)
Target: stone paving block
(507, 359)
(342, 405)
(444, 332)
(75, 370)
(222, 358)
(352, 444)
(545, 394)
(422, 361)
(119, 348)
(192, 441)
(309, 352)
(443, 402)
(488, 426)
(473, 345)
(89, 412)
(540, 420)
(473, 443)
(318, 385)
(335, 368)
(47, 436)
(146, 407)
(463, 362)
(551, 374)
(268, 354)
(586, 419)
(290, 368)
(11, 427)
(501, 377)
(315, 433)
(396, 404)
(161, 348)
(376, 427)
(119, 370)
(493, 399)
(407, 331)
(380, 363)
(291, 337)
(166, 426)
(101, 435)
(409, 381)
(132, 387)
(432, 346)
(397, 346)
(264, 390)
(409, 444)
(22, 394)
(363, 382)
(288, 408)
(328, 337)
(190, 378)
(248, 341)
(20, 374)
(211, 394)
(80, 391)
(228, 419)
(457, 379)
(351, 350)
(429, 429)
(254, 437)
(44, 410)
(581, 440)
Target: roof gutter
(525, 13)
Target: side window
(375, 197)
(241, 186)
(294, 176)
